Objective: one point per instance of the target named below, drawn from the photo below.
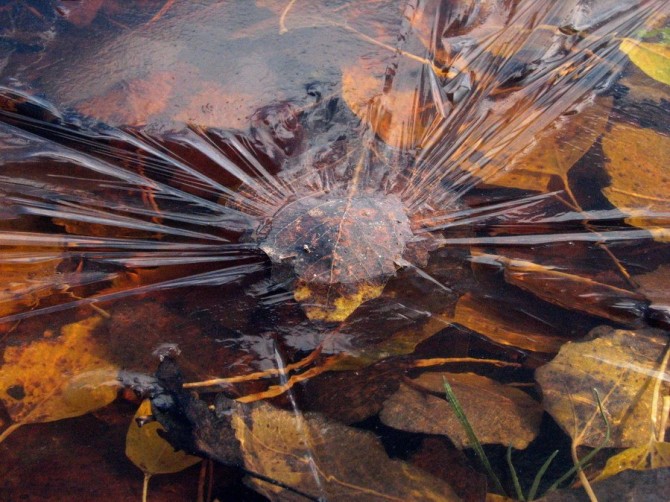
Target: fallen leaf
(438, 457)
(497, 322)
(26, 278)
(57, 377)
(571, 291)
(652, 58)
(556, 149)
(305, 454)
(650, 486)
(342, 249)
(149, 451)
(399, 116)
(79, 12)
(622, 366)
(325, 459)
(654, 285)
(132, 103)
(637, 161)
(499, 414)
(653, 455)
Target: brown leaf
(56, 378)
(341, 248)
(350, 396)
(79, 12)
(438, 457)
(132, 103)
(571, 291)
(498, 413)
(655, 286)
(396, 115)
(326, 459)
(504, 326)
(556, 149)
(636, 163)
(622, 366)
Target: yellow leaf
(651, 456)
(622, 366)
(150, 452)
(652, 59)
(56, 378)
(26, 278)
(637, 163)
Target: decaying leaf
(653, 455)
(637, 161)
(149, 451)
(652, 58)
(498, 413)
(341, 248)
(326, 459)
(395, 115)
(655, 286)
(585, 294)
(498, 323)
(622, 365)
(650, 486)
(557, 149)
(304, 454)
(26, 277)
(57, 377)
(134, 102)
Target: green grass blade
(515, 477)
(539, 475)
(472, 438)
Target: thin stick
(282, 20)
(658, 433)
(166, 7)
(438, 361)
(257, 375)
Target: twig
(282, 19)
(166, 7)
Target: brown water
(367, 185)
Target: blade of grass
(515, 477)
(472, 438)
(539, 475)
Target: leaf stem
(145, 486)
